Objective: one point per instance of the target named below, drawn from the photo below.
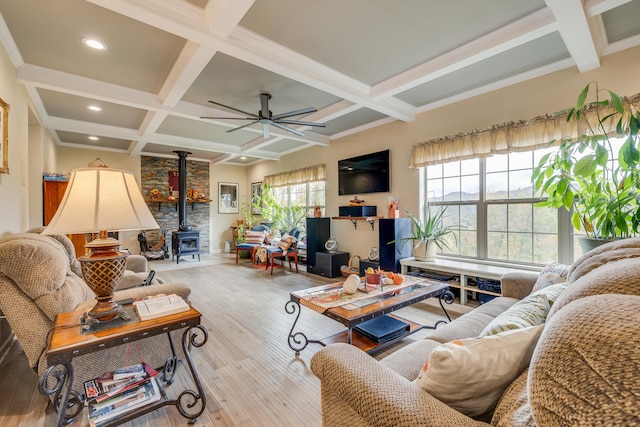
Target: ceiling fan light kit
(266, 117)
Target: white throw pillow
(470, 375)
(530, 311)
(551, 274)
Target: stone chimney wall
(154, 173)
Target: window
(309, 195)
(490, 203)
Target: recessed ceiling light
(94, 108)
(94, 44)
(94, 138)
(243, 158)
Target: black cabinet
(318, 232)
(328, 264)
(391, 229)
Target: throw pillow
(285, 243)
(254, 237)
(470, 375)
(530, 311)
(551, 274)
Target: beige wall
(14, 187)
(220, 223)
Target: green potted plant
(289, 217)
(589, 176)
(248, 219)
(267, 205)
(428, 233)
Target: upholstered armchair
(38, 280)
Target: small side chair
(284, 250)
(252, 240)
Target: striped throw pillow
(255, 237)
(285, 243)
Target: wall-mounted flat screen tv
(364, 174)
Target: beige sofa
(38, 280)
(583, 372)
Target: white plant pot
(425, 250)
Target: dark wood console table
(67, 340)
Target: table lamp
(102, 200)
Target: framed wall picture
(4, 137)
(256, 196)
(227, 197)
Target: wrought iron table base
(69, 403)
(298, 341)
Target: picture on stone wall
(227, 197)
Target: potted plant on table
(589, 176)
(428, 233)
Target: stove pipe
(182, 190)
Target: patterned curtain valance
(523, 135)
(298, 176)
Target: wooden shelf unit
(354, 219)
(463, 269)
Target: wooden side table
(68, 340)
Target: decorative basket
(351, 268)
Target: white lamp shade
(101, 199)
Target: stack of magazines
(116, 393)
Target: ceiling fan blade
(234, 109)
(295, 113)
(264, 105)
(243, 126)
(229, 118)
(288, 129)
(297, 122)
(265, 130)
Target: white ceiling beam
(517, 33)
(81, 86)
(10, 44)
(574, 30)
(90, 128)
(597, 7)
(172, 140)
(222, 16)
(250, 47)
(190, 63)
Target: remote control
(149, 278)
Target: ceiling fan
(266, 118)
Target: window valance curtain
(523, 135)
(298, 176)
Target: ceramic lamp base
(102, 269)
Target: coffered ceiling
(361, 63)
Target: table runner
(322, 301)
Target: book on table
(160, 305)
(382, 329)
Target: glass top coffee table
(353, 310)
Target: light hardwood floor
(250, 375)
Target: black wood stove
(184, 241)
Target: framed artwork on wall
(256, 195)
(227, 197)
(4, 137)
